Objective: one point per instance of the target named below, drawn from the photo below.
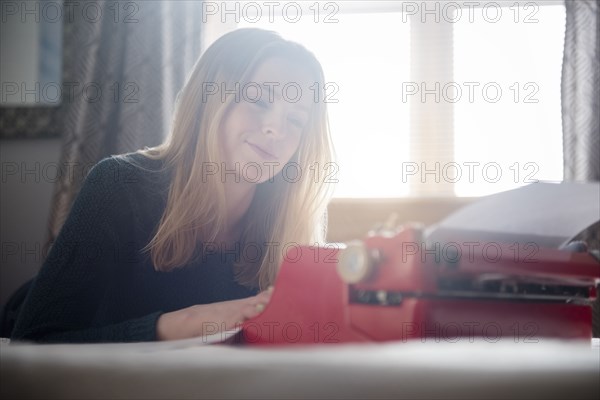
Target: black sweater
(96, 285)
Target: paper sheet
(133, 347)
(186, 343)
(549, 214)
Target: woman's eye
(261, 103)
(296, 122)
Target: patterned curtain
(126, 62)
(581, 91)
(581, 107)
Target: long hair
(284, 212)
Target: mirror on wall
(31, 53)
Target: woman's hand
(201, 319)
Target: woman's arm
(66, 293)
(69, 289)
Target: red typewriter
(395, 286)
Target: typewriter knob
(356, 262)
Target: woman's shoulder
(131, 172)
(129, 168)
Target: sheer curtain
(581, 107)
(126, 65)
(581, 91)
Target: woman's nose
(272, 126)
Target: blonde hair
(282, 213)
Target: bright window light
(517, 133)
(507, 135)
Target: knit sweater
(96, 284)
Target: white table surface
(480, 369)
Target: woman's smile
(261, 152)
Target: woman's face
(264, 126)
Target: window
(521, 131)
(435, 98)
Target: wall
(25, 196)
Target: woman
(162, 243)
